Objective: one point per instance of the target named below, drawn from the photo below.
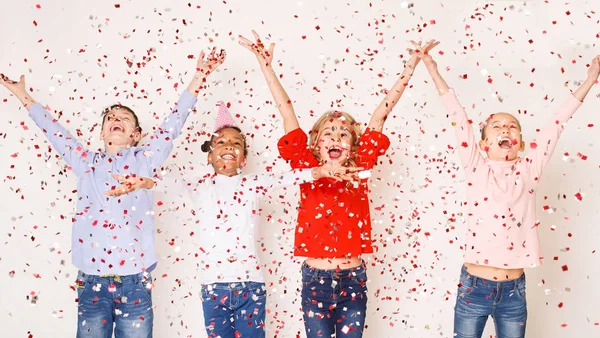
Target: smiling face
(501, 137)
(120, 128)
(334, 138)
(227, 152)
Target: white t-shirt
(228, 214)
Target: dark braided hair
(206, 146)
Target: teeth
(227, 157)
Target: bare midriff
(334, 263)
(493, 273)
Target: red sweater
(334, 220)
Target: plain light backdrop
(521, 57)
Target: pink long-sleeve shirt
(502, 225)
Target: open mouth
(335, 152)
(506, 143)
(228, 157)
(117, 128)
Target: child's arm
(282, 100)
(63, 142)
(130, 184)
(546, 141)
(395, 93)
(161, 142)
(269, 183)
(468, 149)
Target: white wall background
(331, 54)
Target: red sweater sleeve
(293, 147)
(372, 144)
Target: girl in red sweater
(334, 223)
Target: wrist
(316, 172)
(267, 68)
(590, 81)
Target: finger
(271, 50)
(22, 79)
(212, 53)
(201, 56)
(222, 55)
(248, 46)
(255, 35)
(245, 40)
(118, 177)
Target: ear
(244, 162)
(522, 148)
(137, 136)
(483, 145)
(209, 158)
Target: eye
(126, 119)
(109, 118)
(513, 126)
(237, 143)
(496, 127)
(345, 135)
(327, 133)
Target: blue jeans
(233, 310)
(334, 301)
(478, 298)
(122, 301)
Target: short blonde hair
(351, 124)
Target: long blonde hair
(351, 124)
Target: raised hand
(212, 62)
(264, 57)
(14, 86)
(129, 184)
(594, 69)
(18, 89)
(592, 78)
(204, 67)
(422, 52)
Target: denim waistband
(136, 278)
(470, 280)
(232, 286)
(334, 273)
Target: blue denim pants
(334, 301)
(477, 298)
(233, 310)
(124, 302)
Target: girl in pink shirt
(502, 236)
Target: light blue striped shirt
(113, 235)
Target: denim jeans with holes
(478, 298)
(233, 310)
(334, 302)
(120, 302)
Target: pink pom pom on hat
(224, 118)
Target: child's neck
(112, 149)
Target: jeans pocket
(308, 278)
(465, 288)
(146, 287)
(521, 292)
(259, 292)
(207, 294)
(80, 285)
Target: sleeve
(371, 145)
(293, 147)
(266, 184)
(161, 142)
(71, 150)
(542, 149)
(468, 148)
